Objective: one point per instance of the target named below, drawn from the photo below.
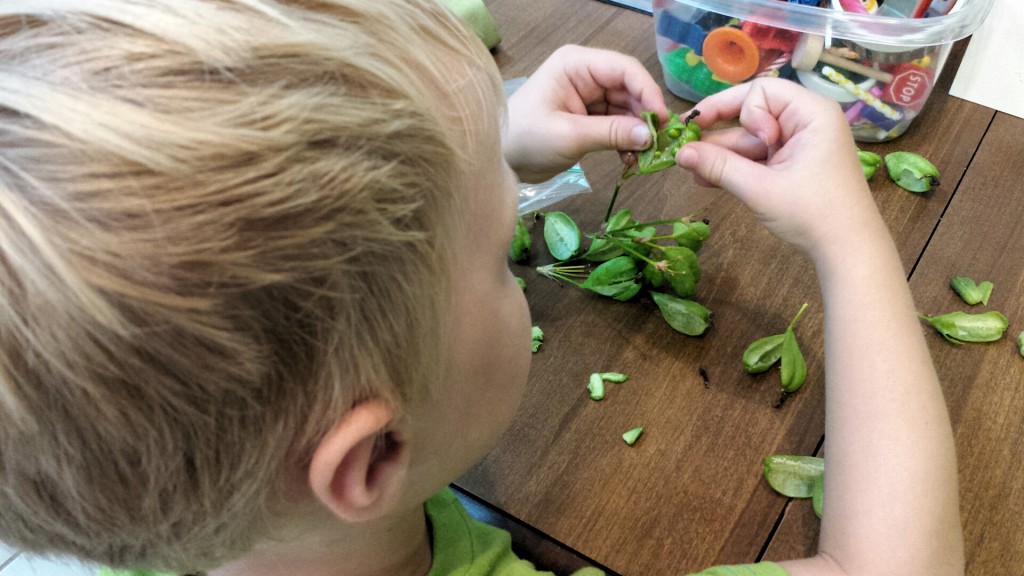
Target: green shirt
(464, 546)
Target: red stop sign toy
(910, 86)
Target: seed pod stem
(799, 313)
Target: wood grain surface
(689, 494)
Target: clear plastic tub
(880, 67)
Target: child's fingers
(739, 140)
(611, 76)
(769, 108)
(594, 133)
(724, 168)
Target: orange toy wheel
(731, 54)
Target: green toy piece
(687, 67)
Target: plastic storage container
(880, 67)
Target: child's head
(222, 225)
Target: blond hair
(222, 223)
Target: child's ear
(359, 468)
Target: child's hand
(792, 160)
(580, 100)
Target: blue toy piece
(805, 2)
(680, 31)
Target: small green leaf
(617, 278)
(561, 235)
(519, 249)
(602, 249)
(959, 327)
(1020, 343)
(538, 337)
(632, 435)
(762, 354)
(970, 292)
(793, 476)
(684, 316)
(521, 282)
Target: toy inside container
(869, 55)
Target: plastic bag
(533, 197)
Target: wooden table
(690, 494)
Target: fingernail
(641, 136)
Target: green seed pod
(794, 476)
(762, 354)
(665, 142)
(632, 435)
(617, 278)
(970, 292)
(561, 235)
(519, 250)
(960, 327)
(652, 276)
(596, 387)
(684, 316)
(794, 368)
(683, 270)
(639, 241)
(869, 162)
(690, 234)
(911, 171)
(615, 377)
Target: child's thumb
(721, 167)
(596, 133)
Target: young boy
(255, 310)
